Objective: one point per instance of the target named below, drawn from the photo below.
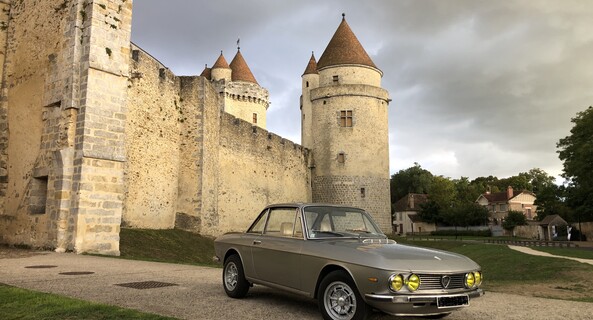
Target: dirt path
(530, 251)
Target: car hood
(393, 256)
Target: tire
(338, 298)
(233, 278)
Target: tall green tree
(576, 152)
(412, 180)
(538, 180)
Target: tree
(513, 219)
(442, 191)
(576, 151)
(430, 212)
(411, 180)
(550, 200)
(465, 215)
(538, 180)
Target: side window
(283, 223)
(258, 226)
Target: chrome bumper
(417, 305)
(418, 298)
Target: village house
(500, 203)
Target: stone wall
(154, 122)
(194, 167)
(256, 168)
(33, 123)
(63, 97)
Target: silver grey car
(339, 256)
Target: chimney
(509, 192)
(411, 200)
(488, 190)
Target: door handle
(256, 242)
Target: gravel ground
(198, 293)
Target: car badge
(445, 281)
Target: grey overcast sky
(479, 87)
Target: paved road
(198, 293)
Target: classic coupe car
(339, 256)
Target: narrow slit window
(335, 79)
(341, 157)
(255, 118)
(363, 192)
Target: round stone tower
(344, 123)
(242, 96)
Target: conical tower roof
(311, 66)
(221, 62)
(207, 73)
(344, 48)
(241, 71)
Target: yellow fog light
(470, 280)
(396, 282)
(478, 278)
(413, 282)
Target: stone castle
(96, 134)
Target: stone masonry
(96, 134)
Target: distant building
(406, 218)
(500, 203)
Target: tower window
(307, 84)
(346, 118)
(335, 78)
(363, 192)
(255, 118)
(341, 157)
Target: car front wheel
(339, 299)
(233, 277)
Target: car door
(276, 252)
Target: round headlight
(396, 282)
(413, 282)
(478, 278)
(470, 280)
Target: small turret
(221, 70)
(206, 73)
(310, 81)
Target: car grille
(434, 281)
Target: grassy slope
(175, 246)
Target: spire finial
(221, 52)
(238, 41)
(343, 16)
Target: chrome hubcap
(231, 274)
(340, 301)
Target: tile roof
(502, 196)
(403, 204)
(241, 71)
(221, 62)
(311, 66)
(344, 48)
(553, 219)
(207, 73)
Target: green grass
(174, 246)
(507, 270)
(16, 303)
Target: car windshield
(328, 222)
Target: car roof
(309, 204)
